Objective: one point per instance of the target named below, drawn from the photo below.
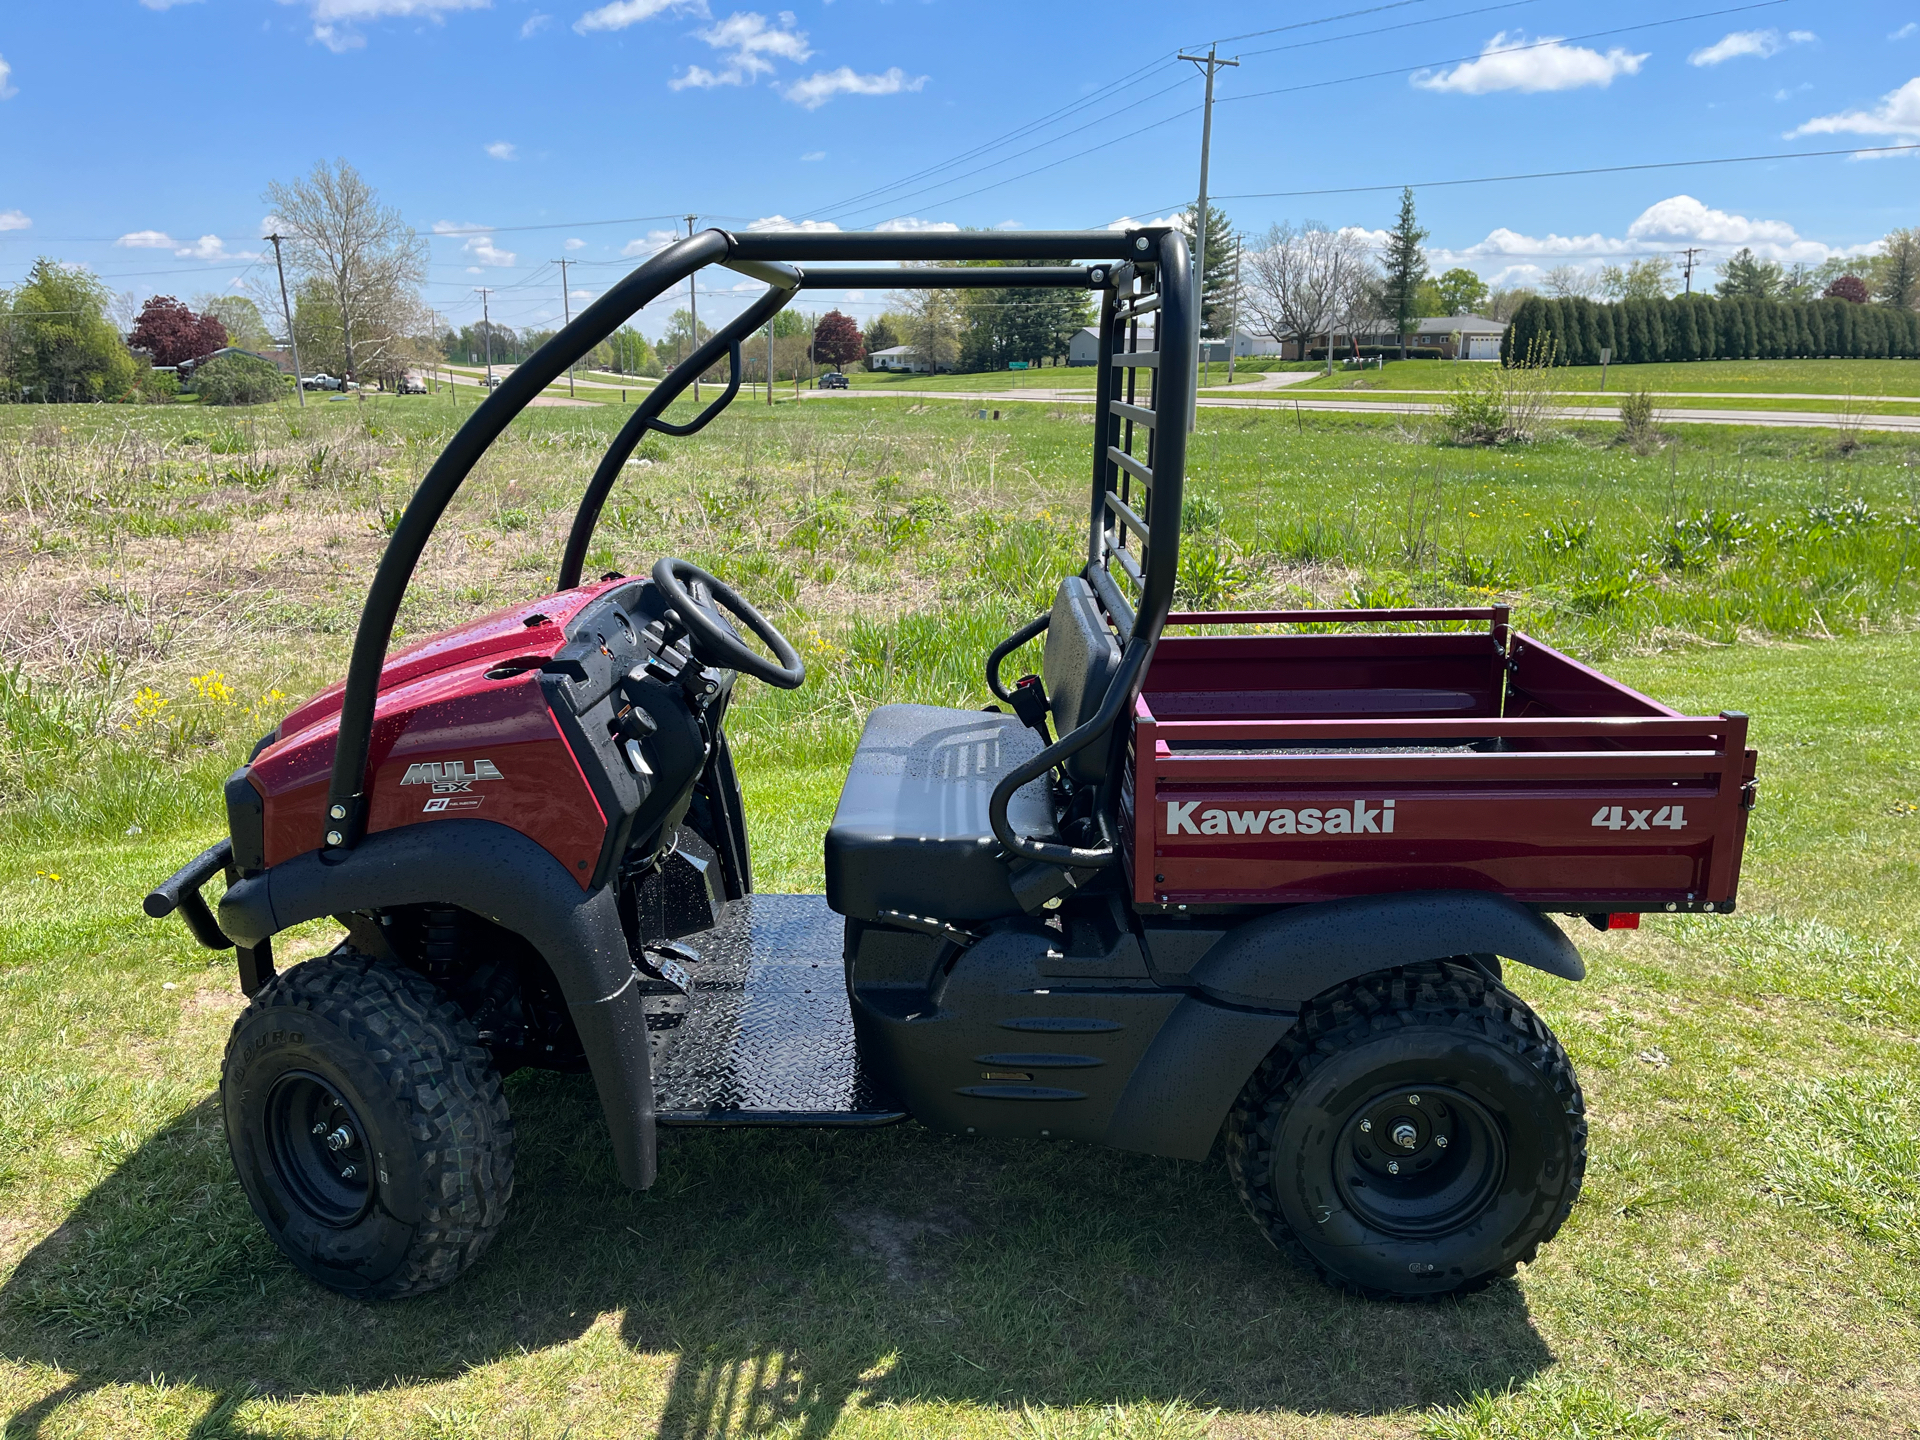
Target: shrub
(236, 380)
(157, 387)
(1636, 420)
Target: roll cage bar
(1135, 516)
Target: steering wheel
(716, 644)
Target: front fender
(1281, 961)
(502, 876)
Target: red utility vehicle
(1258, 886)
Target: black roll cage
(1134, 496)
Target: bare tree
(933, 326)
(1304, 281)
(367, 258)
(1570, 282)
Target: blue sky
(138, 135)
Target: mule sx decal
(450, 777)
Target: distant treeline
(1701, 327)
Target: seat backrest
(1080, 661)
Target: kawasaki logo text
(1358, 819)
(450, 777)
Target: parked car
(834, 380)
(322, 381)
(413, 383)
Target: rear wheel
(1419, 1132)
(367, 1126)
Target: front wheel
(1419, 1132)
(367, 1126)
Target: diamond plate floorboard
(766, 1036)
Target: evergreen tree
(1405, 266)
(1216, 286)
(1745, 275)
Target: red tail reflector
(1624, 920)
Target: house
(281, 360)
(900, 357)
(1462, 337)
(1084, 348)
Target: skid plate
(764, 1036)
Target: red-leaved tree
(836, 340)
(1848, 287)
(172, 334)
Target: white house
(900, 357)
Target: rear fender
(503, 876)
(1254, 980)
(1282, 960)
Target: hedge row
(1701, 327)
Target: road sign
(1016, 364)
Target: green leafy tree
(1461, 291)
(633, 354)
(61, 345)
(1745, 276)
(246, 327)
(1404, 264)
(934, 326)
(1896, 270)
(1216, 285)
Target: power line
(1563, 174)
(1308, 24)
(1506, 50)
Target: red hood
(535, 628)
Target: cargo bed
(1294, 767)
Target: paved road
(1778, 419)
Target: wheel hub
(1420, 1161)
(315, 1141)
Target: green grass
(1741, 1264)
(1862, 378)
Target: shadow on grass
(780, 1277)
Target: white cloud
(147, 240)
(1906, 31)
(333, 20)
(483, 250)
(1009, 225)
(1898, 113)
(781, 222)
(574, 242)
(1684, 218)
(14, 220)
(1661, 229)
(621, 13)
(909, 224)
(1512, 62)
(748, 45)
(652, 243)
(580, 294)
(534, 24)
(7, 90)
(1761, 44)
(502, 150)
(1127, 222)
(212, 247)
(164, 4)
(813, 155)
(821, 86)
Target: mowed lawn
(1863, 379)
(1743, 1261)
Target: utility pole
(1687, 267)
(299, 390)
(486, 329)
(693, 308)
(1212, 64)
(566, 309)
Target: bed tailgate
(1585, 813)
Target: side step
(765, 1035)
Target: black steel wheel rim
(1420, 1161)
(319, 1150)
